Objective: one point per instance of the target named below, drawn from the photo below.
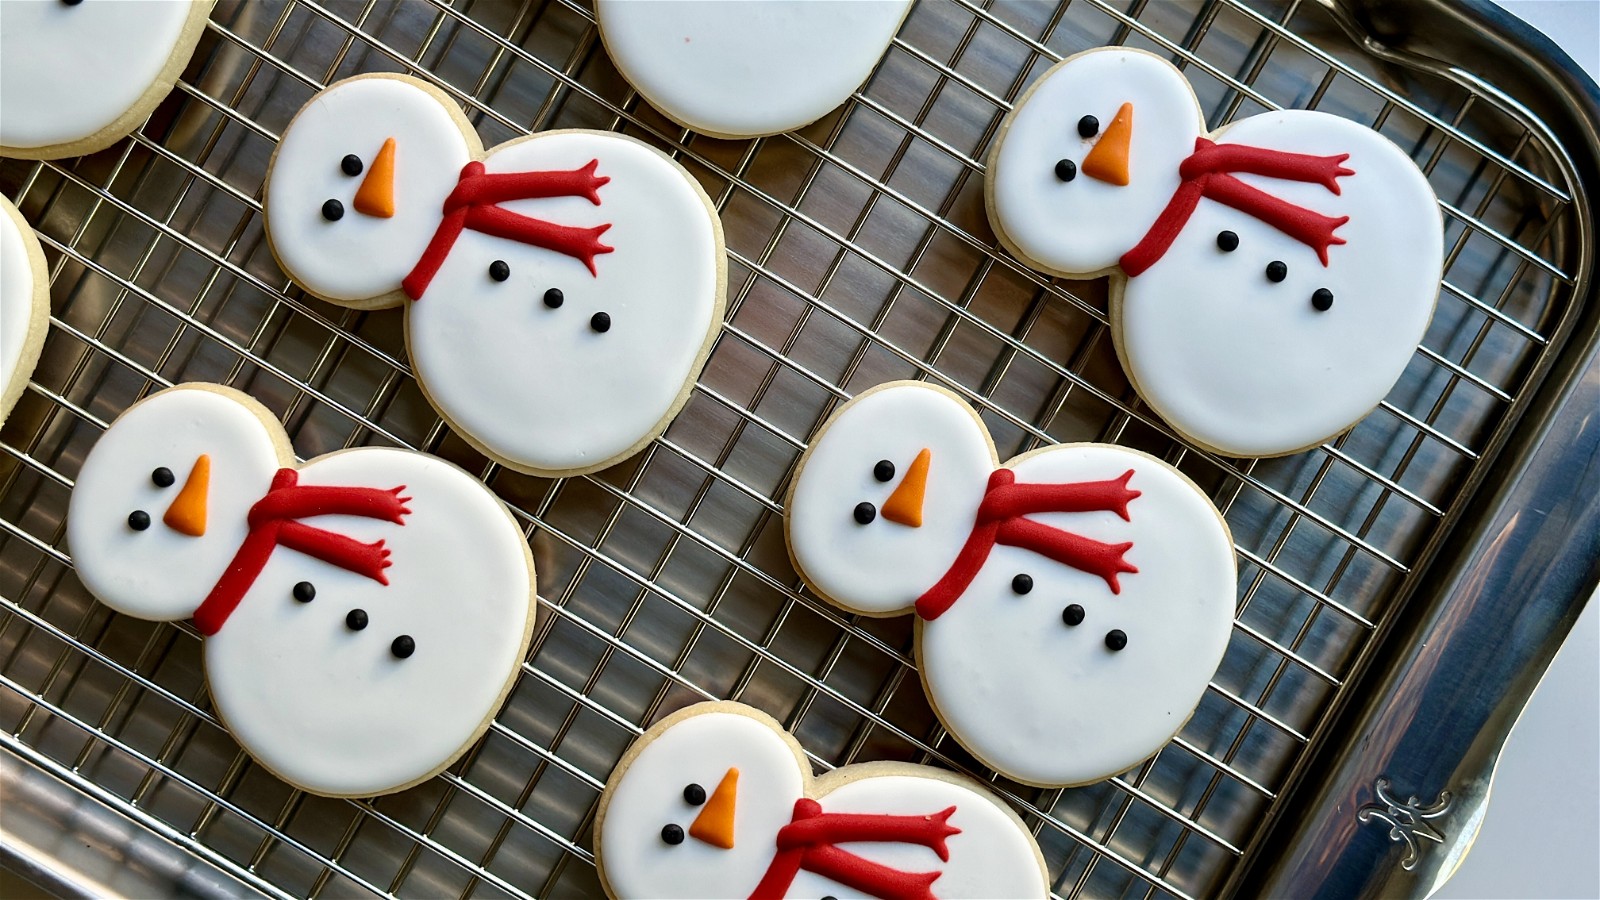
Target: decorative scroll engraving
(1407, 819)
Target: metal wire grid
(858, 253)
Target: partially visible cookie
(747, 69)
(75, 77)
(24, 304)
(717, 800)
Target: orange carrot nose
(187, 514)
(1108, 159)
(905, 504)
(375, 197)
(714, 825)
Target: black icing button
(1227, 241)
(1022, 584)
(333, 210)
(1066, 170)
(1116, 639)
(138, 520)
(672, 834)
(1322, 299)
(600, 322)
(356, 620)
(883, 471)
(163, 476)
(70, 2)
(1277, 271)
(1072, 615)
(694, 794)
(1088, 126)
(305, 592)
(499, 271)
(350, 165)
(403, 646)
(865, 512)
(553, 298)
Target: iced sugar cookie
(77, 76)
(1270, 281)
(1072, 604)
(364, 613)
(562, 291)
(747, 69)
(24, 304)
(717, 800)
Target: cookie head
(697, 812)
(357, 187)
(887, 496)
(1090, 158)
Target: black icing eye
(138, 520)
(1277, 271)
(350, 165)
(163, 476)
(1116, 639)
(1066, 170)
(70, 2)
(499, 271)
(694, 794)
(356, 620)
(883, 471)
(1322, 299)
(553, 298)
(1227, 241)
(865, 512)
(1022, 584)
(403, 646)
(1088, 126)
(305, 592)
(600, 322)
(672, 834)
(333, 210)
(1072, 615)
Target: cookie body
(739, 70)
(561, 291)
(364, 613)
(718, 801)
(1270, 281)
(74, 78)
(1073, 603)
(24, 304)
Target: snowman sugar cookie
(75, 76)
(718, 801)
(24, 304)
(562, 290)
(364, 613)
(1072, 604)
(748, 69)
(1269, 281)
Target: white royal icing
(69, 72)
(1041, 701)
(21, 304)
(992, 856)
(537, 387)
(325, 707)
(1230, 359)
(750, 68)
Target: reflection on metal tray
(859, 252)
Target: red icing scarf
(1207, 173)
(275, 522)
(807, 842)
(1002, 519)
(472, 205)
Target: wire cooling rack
(858, 252)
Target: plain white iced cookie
(747, 68)
(717, 800)
(1270, 281)
(562, 291)
(77, 76)
(24, 304)
(1072, 604)
(365, 612)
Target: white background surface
(1542, 831)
